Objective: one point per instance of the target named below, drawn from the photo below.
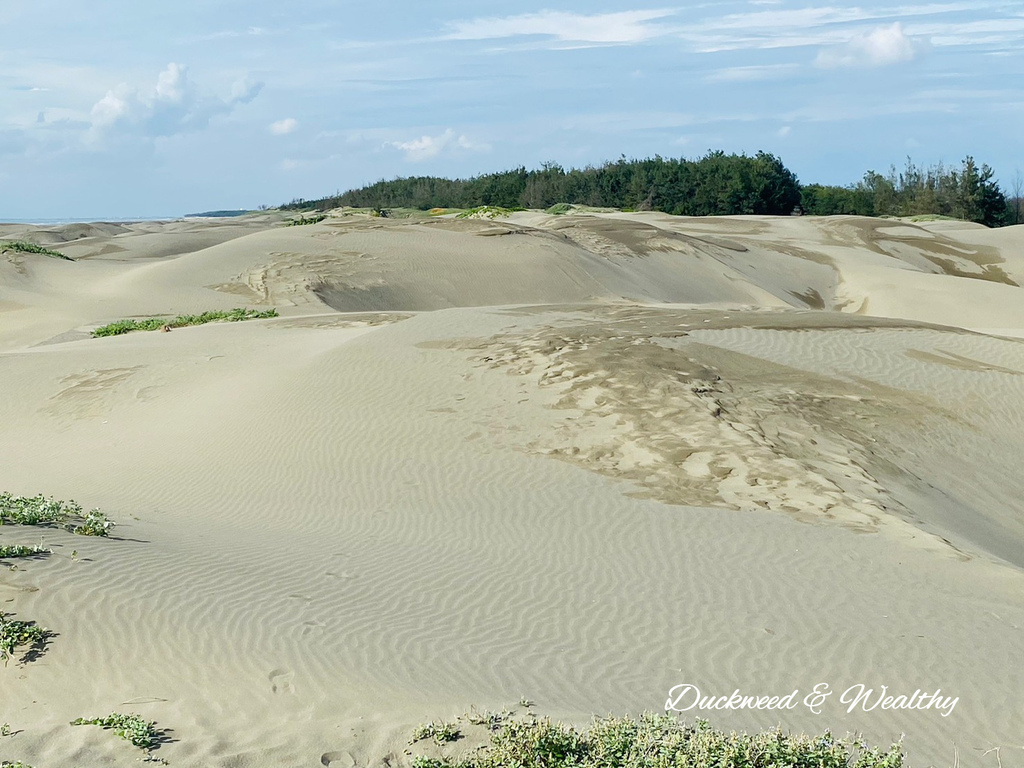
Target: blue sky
(135, 109)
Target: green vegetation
(487, 212)
(142, 733)
(716, 184)
(19, 764)
(969, 193)
(12, 551)
(442, 733)
(490, 720)
(15, 634)
(659, 741)
(23, 246)
(158, 323)
(303, 220)
(52, 513)
(559, 209)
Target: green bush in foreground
(156, 323)
(52, 513)
(23, 246)
(659, 741)
(16, 634)
(142, 733)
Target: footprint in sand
(281, 681)
(338, 759)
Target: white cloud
(824, 25)
(620, 27)
(878, 48)
(245, 90)
(174, 106)
(784, 131)
(752, 74)
(426, 147)
(283, 127)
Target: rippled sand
(581, 459)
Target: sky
(128, 109)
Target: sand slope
(580, 459)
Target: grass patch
(52, 513)
(487, 212)
(132, 728)
(17, 550)
(23, 246)
(303, 220)
(492, 721)
(560, 209)
(660, 741)
(157, 323)
(441, 732)
(15, 634)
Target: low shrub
(487, 212)
(659, 741)
(15, 634)
(303, 220)
(559, 209)
(132, 728)
(157, 323)
(439, 732)
(53, 513)
(23, 246)
(11, 551)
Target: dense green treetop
(716, 184)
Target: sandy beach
(580, 459)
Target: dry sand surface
(580, 459)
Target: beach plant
(490, 720)
(441, 732)
(23, 246)
(159, 323)
(19, 764)
(52, 513)
(138, 731)
(657, 741)
(487, 212)
(559, 209)
(15, 634)
(11, 551)
(303, 220)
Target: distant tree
(818, 200)
(1015, 214)
(979, 197)
(715, 184)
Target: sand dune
(577, 458)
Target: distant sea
(93, 220)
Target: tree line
(969, 192)
(715, 184)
